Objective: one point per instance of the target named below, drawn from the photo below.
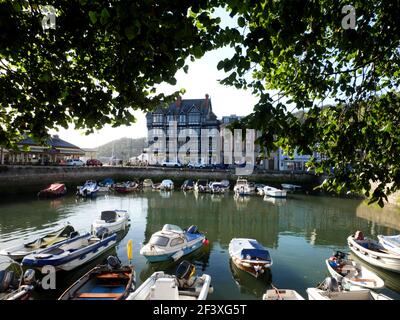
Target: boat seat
(98, 295)
(164, 289)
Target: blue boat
(172, 243)
(72, 253)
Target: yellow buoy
(129, 249)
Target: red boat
(52, 191)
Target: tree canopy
(106, 58)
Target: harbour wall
(17, 179)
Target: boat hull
(193, 246)
(379, 259)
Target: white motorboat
(147, 183)
(390, 243)
(282, 294)
(202, 186)
(243, 187)
(185, 285)
(171, 243)
(373, 252)
(249, 256)
(349, 271)
(219, 187)
(112, 220)
(274, 192)
(89, 189)
(72, 253)
(20, 251)
(330, 289)
(167, 185)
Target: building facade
(180, 123)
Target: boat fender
(206, 242)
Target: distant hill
(123, 148)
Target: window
(175, 242)
(182, 118)
(159, 241)
(170, 118)
(157, 118)
(194, 118)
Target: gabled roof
(54, 141)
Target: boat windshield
(159, 241)
(241, 182)
(172, 227)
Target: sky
(202, 78)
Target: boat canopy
(167, 182)
(109, 216)
(172, 227)
(261, 254)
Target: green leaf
(241, 22)
(130, 32)
(93, 17)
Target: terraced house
(181, 123)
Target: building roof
(54, 141)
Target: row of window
(182, 118)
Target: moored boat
(171, 243)
(349, 271)
(250, 256)
(126, 187)
(112, 220)
(104, 282)
(147, 183)
(292, 187)
(243, 188)
(72, 253)
(52, 191)
(219, 186)
(373, 252)
(89, 189)
(184, 285)
(105, 185)
(187, 185)
(282, 294)
(20, 251)
(274, 192)
(390, 243)
(167, 185)
(202, 186)
(330, 289)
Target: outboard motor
(113, 262)
(7, 280)
(329, 284)
(193, 229)
(101, 232)
(340, 255)
(185, 274)
(29, 277)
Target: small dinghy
(185, 285)
(72, 253)
(53, 191)
(112, 220)
(20, 251)
(330, 289)
(167, 185)
(25, 287)
(274, 192)
(147, 183)
(282, 294)
(105, 185)
(250, 256)
(187, 185)
(390, 243)
(172, 243)
(104, 282)
(126, 187)
(348, 271)
(89, 189)
(373, 252)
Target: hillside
(123, 148)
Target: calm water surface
(300, 232)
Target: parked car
(196, 165)
(171, 164)
(94, 162)
(75, 162)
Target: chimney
(206, 102)
(178, 101)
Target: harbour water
(300, 232)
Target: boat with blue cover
(72, 253)
(250, 256)
(172, 243)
